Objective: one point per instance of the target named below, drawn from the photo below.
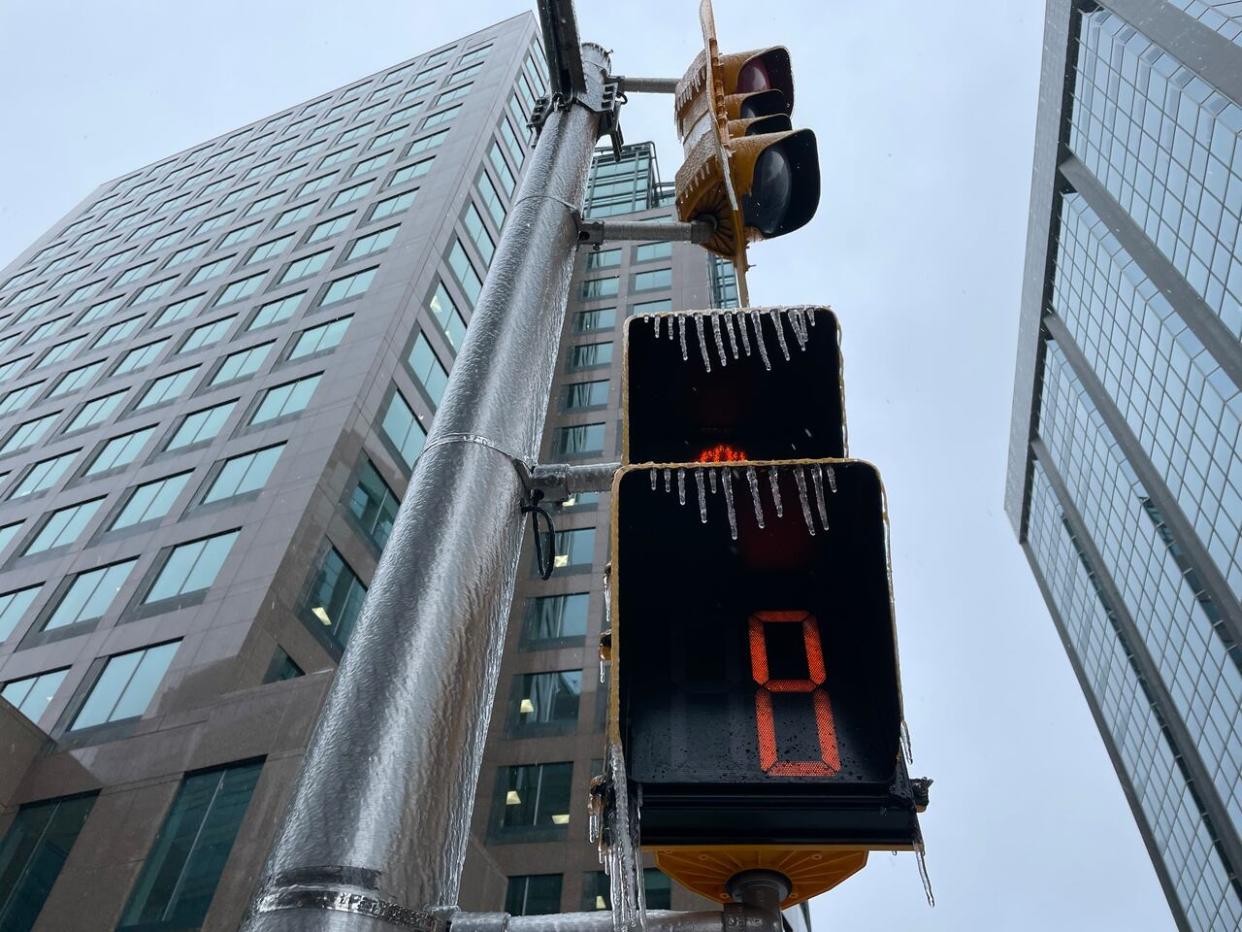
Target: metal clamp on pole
(658, 920)
(595, 232)
(560, 481)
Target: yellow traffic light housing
(745, 166)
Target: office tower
(1125, 471)
(215, 376)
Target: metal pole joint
(560, 481)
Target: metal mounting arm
(645, 85)
(558, 481)
(594, 232)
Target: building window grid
(1179, 636)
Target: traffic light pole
(375, 833)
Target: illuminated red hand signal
(722, 453)
(829, 762)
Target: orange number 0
(829, 762)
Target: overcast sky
(925, 116)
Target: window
(580, 395)
(602, 319)
(200, 426)
(649, 281)
(652, 307)
(465, 73)
(401, 427)
(447, 316)
(130, 275)
(269, 249)
(384, 139)
(428, 370)
(466, 276)
(236, 291)
(180, 875)
(159, 243)
(32, 695)
(264, 203)
(273, 312)
(533, 894)
(240, 235)
(206, 334)
(372, 243)
(575, 548)
(61, 352)
(33, 852)
(43, 475)
(336, 597)
(404, 113)
(119, 451)
(13, 606)
(478, 234)
(323, 181)
(63, 526)
(503, 172)
(241, 364)
(329, 228)
(140, 357)
(649, 252)
(125, 686)
(281, 668)
(589, 355)
(393, 205)
(284, 400)
(28, 433)
(444, 116)
(349, 135)
(348, 287)
(241, 474)
(470, 58)
(89, 595)
(191, 567)
(455, 94)
(370, 164)
(293, 215)
(20, 398)
(545, 702)
(350, 194)
(603, 259)
(213, 223)
(183, 255)
(580, 439)
(166, 388)
(150, 501)
(320, 339)
(310, 149)
(426, 143)
(116, 332)
(536, 796)
(555, 621)
(45, 330)
(101, 310)
(596, 288)
(491, 199)
(516, 150)
(8, 532)
(95, 411)
(154, 291)
(373, 503)
(239, 194)
(176, 311)
(657, 890)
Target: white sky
(925, 115)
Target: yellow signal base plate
(707, 869)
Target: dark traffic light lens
(753, 77)
(772, 191)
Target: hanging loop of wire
(545, 555)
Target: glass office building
(216, 374)
(1125, 472)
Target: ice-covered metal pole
(375, 833)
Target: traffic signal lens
(772, 192)
(753, 77)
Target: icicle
(752, 479)
(653, 479)
(681, 486)
(741, 332)
(756, 318)
(802, 499)
(818, 483)
(780, 333)
(655, 325)
(711, 478)
(681, 335)
(700, 486)
(668, 480)
(920, 852)
(832, 480)
(728, 325)
(798, 323)
(720, 347)
(698, 329)
(726, 483)
(905, 742)
(774, 479)
(810, 316)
